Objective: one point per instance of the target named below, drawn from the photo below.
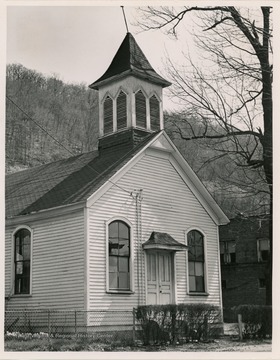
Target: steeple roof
(130, 60)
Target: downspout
(220, 276)
(140, 247)
(138, 199)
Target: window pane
(113, 281)
(199, 280)
(26, 268)
(124, 248)
(17, 242)
(191, 268)
(232, 258)
(199, 269)
(113, 230)
(18, 286)
(192, 283)
(191, 253)
(191, 238)
(113, 264)
(199, 253)
(231, 246)
(123, 264)
(26, 251)
(26, 237)
(123, 280)
(198, 238)
(264, 255)
(19, 268)
(123, 231)
(113, 247)
(264, 244)
(19, 257)
(25, 286)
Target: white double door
(160, 284)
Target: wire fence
(57, 323)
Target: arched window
(196, 261)
(22, 246)
(119, 256)
(108, 115)
(154, 113)
(121, 111)
(140, 109)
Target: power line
(63, 146)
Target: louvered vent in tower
(140, 109)
(154, 113)
(108, 115)
(121, 111)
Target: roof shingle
(65, 181)
(130, 59)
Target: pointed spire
(130, 60)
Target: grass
(95, 344)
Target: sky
(77, 43)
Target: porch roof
(163, 241)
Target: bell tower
(130, 95)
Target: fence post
(239, 316)
(133, 327)
(75, 322)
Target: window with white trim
(196, 261)
(140, 110)
(119, 256)
(263, 249)
(22, 254)
(108, 115)
(121, 111)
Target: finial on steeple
(124, 19)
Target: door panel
(159, 278)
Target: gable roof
(65, 181)
(130, 60)
(81, 178)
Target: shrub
(177, 323)
(257, 320)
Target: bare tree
(230, 90)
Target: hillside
(68, 113)
(47, 120)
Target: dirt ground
(225, 344)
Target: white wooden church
(128, 224)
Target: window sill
(198, 293)
(120, 292)
(21, 295)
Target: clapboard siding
(58, 264)
(168, 206)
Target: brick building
(244, 251)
